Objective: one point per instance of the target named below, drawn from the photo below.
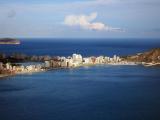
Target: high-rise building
(77, 58)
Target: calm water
(63, 47)
(85, 93)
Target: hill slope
(149, 56)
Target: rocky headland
(148, 58)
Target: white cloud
(86, 22)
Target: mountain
(9, 41)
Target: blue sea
(86, 47)
(101, 92)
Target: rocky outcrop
(149, 56)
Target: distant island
(9, 65)
(9, 41)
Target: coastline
(6, 75)
(151, 64)
(83, 65)
(44, 70)
(147, 59)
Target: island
(9, 41)
(12, 65)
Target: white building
(114, 58)
(30, 67)
(111, 59)
(22, 68)
(77, 58)
(87, 60)
(8, 66)
(107, 59)
(38, 66)
(47, 64)
(69, 62)
(100, 60)
(64, 62)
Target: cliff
(149, 56)
(9, 41)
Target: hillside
(149, 56)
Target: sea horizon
(97, 47)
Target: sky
(80, 18)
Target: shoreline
(6, 75)
(151, 64)
(83, 65)
(111, 64)
(75, 61)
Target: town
(76, 60)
